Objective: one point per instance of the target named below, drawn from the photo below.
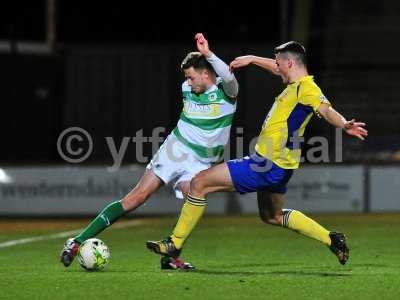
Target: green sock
(105, 218)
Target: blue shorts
(256, 173)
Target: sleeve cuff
(212, 57)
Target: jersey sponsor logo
(193, 109)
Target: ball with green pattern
(93, 254)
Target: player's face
(197, 79)
(284, 64)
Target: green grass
(236, 258)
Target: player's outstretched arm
(336, 119)
(229, 82)
(265, 63)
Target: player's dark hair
(296, 49)
(197, 61)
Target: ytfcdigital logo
(75, 145)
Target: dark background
(113, 68)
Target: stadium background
(113, 69)
(115, 72)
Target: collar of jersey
(211, 89)
(304, 78)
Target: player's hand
(356, 129)
(202, 45)
(240, 61)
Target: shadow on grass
(106, 271)
(293, 273)
(227, 273)
(371, 265)
(258, 265)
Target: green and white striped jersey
(205, 122)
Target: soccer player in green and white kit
(209, 103)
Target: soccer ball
(93, 254)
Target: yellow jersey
(281, 135)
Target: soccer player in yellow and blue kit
(277, 153)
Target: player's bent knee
(197, 184)
(271, 219)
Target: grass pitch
(236, 258)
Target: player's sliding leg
(147, 185)
(214, 179)
(271, 211)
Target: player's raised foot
(338, 246)
(164, 247)
(69, 252)
(171, 263)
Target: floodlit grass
(236, 258)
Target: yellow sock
(297, 221)
(191, 213)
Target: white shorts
(175, 162)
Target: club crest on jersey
(212, 97)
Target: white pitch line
(63, 234)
